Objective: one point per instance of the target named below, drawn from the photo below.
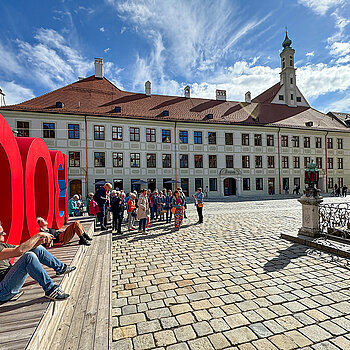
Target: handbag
(173, 210)
(134, 213)
(200, 205)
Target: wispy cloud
(102, 29)
(189, 40)
(321, 6)
(106, 50)
(310, 54)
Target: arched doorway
(75, 187)
(229, 186)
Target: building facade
(257, 147)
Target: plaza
(230, 283)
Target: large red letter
(38, 180)
(61, 183)
(11, 179)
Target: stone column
(310, 201)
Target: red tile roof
(93, 96)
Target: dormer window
(165, 113)
(281, 97)
(117, 109)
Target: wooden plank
(104, 311)
(88, 332)
(75, 329)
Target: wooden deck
(86, 322)
(32, 321)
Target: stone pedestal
(310, 201)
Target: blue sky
(208, 45)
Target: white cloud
(106, 50)
(102, 29)
(195, 37)
(15, 93)
(340, 48)
(310, 54)
(122, 30)
(112, 73)
(344, 59)
(51, 61)
(321, 6)
(342, 105)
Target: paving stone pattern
(230, 283)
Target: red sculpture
(34, 182)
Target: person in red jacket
(131, 209)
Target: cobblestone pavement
(230, 283)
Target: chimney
(220, 95)
(148, 88)
(248, 97)
(187, 91)
(99, 68)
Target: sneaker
(85, 235)
(83, 241)
(66, 270)
(131, 229)
(56, 294)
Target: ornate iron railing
(335, 219)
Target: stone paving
(230, 283)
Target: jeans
(154, 212)
(142, 224)
(102, 214)
(169, 215)
(200, 213)
(29, 264)
(117, 222)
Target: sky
(208, 45)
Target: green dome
(287, 42)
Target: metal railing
(335, 219)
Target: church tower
(289, 94)
(288, 72)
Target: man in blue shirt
(198, 196)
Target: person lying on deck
(32, 254)
(65, 236)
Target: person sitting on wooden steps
(32, 254)
(65, 236)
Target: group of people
(340, 191)
(32, 255)
(145, 207)
(76, 205)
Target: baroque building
(256, 147)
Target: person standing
(168, 201)
(178, 209)
(117, 211)
(131, 210)
(198, 196)
(184, 203)
(102, 196)
(142, 211)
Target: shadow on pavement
(285, 256)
